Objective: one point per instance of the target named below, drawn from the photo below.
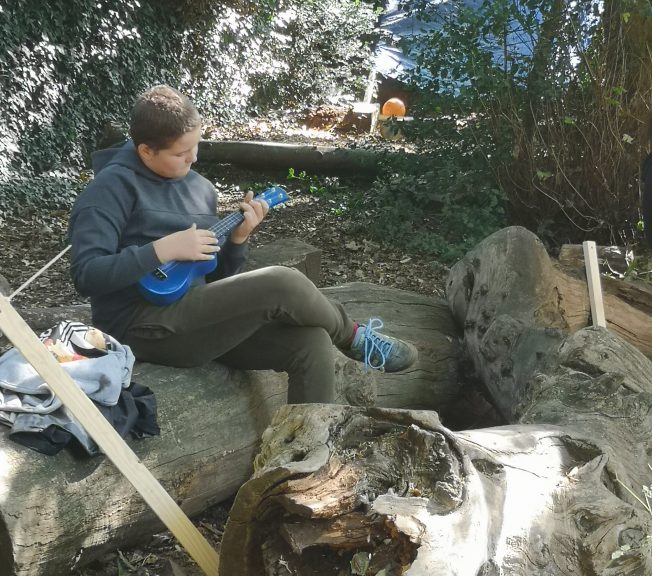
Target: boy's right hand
(189, 244)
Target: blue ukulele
(173, 279)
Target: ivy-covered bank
(70, 67)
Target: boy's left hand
(253, 211)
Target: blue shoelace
(375, 343)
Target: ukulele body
(172, 280)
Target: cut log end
(319, 512)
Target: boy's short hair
(160, 116)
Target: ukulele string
(233, 219)
(219, 229)
(224, 225)
(38, 273)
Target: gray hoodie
(115, 221)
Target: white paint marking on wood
(593, 281)
(109, 441)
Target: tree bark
(281, 156)
(57, 512)
(549, 494)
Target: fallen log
(627, 302)
(432, 383)
(282, 156)
(65, 511)
(557, 491)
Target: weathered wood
(80, 407)
(290, 252)
(520, 499)
(432, 383)
(58, 512)
(614, 262)
(593, 284)
(54, 509)
(591, 383)
(549, 494)
(39, 318)
(557, 298)
(612, 259)
(5, 288)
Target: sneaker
(378, 351)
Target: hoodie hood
(125, 155)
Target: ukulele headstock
(273, 195)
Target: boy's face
(174, 161)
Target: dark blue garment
(134, 413)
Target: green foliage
(223, 49)
(314, 185)
(320, 51)
(67, 67)
(564, 111)
(442, 201)
(35, 194)
(344, 197)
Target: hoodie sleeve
(98, 266)
(232, 260)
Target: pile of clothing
(101, 367)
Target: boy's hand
(189, 244)
(253, 211)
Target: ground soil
(28, 241)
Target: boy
(146, 207)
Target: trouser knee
(286, 285)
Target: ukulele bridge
(159, 274)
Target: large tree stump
(549, 494)
(60, 511)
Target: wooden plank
(593, 281)
(109, 441)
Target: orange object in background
(393, 107)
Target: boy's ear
(145, 152)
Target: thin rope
(38, 273)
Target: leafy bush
(441, 201)
(68, 67)
(39, 194)
(562, 87)
(322, 54)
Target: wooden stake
(109, 441)
(593, 280)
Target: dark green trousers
(269, 319)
